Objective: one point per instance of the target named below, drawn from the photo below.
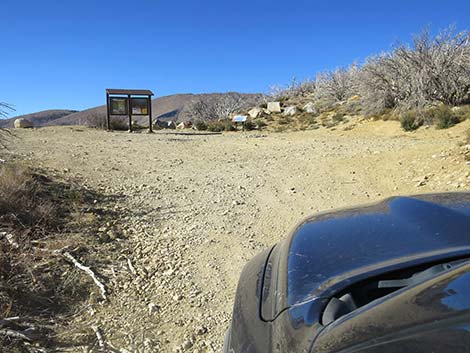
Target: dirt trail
(195, 209)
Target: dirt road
(195, 209)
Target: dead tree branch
(87, 270)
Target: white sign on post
(239, 118)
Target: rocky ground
(194, 209)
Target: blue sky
(63, 53)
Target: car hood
(330, 251)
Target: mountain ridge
(38, 118)
(172, 107)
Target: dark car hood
(329, 251)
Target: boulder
(22, 123)
(290, 111)
(310, 108)
(184, 125)
(274, 107)
(165, 124)
(159, 124)
(255, 112)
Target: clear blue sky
(64, 53)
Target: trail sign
(139, 106)
(128, 102)
(118, 106)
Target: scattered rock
(290, 111)
(274, 107)
(255, 112)
(422, 181)
(184, 125)
(201, 330)
(177, 297)
(153, 308)
(187, 344)
(310, 108)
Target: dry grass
(21, 201)
(36, 284)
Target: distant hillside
(174, 107)
(46, 117)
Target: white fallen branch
(87, 270)
(13, 318)
(14, 334)
(35, 349)
(99, 336)
(9, 321)
(131, 267)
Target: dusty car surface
(388, 277)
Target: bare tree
(414, 76)
(444, 65)
(293, 89)
(5, 108)
(380, 86)
(228, 104)
(337, 85)
(216, 108)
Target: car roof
(330, 251)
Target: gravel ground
(196, 208)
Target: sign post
(240, 119)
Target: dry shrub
(120, 124)
(221, 125)
(284, 120)
(338, 118)
(307, 118)
(200, 125)
(443, 117)
(116, 123)
(250, 125)
(410, 120)
(97, 121)
(462, 112)
(21, 201)
(280, 128)
(260, 124)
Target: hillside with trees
(422, 83)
